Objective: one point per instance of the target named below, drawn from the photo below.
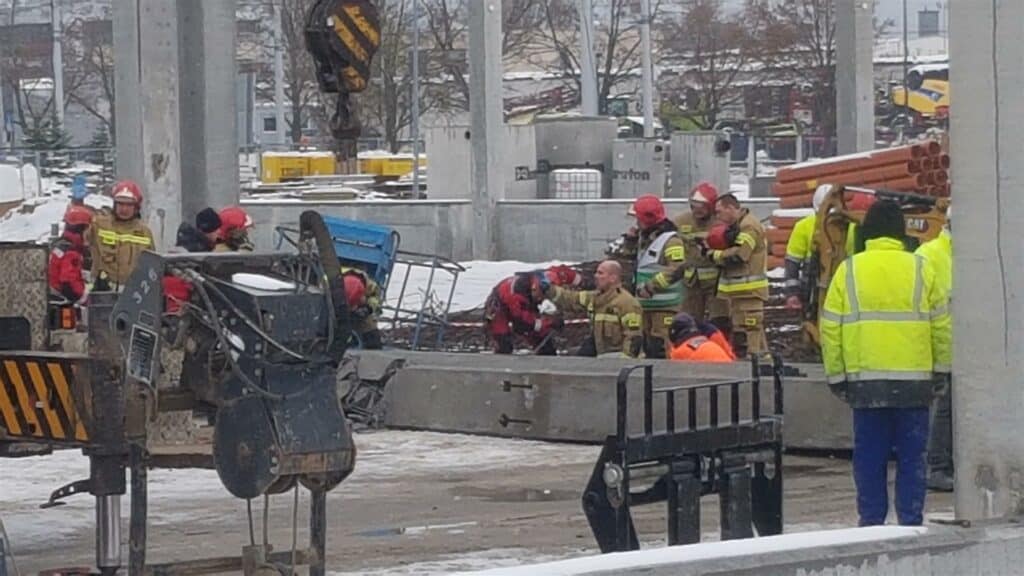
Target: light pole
(648, 68)
(588, 70)
(58, 61)
(415, 128)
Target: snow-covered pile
(10, 184)
(33, 220)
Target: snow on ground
(33, 219)
(25, 483)
(471, 290)
(739, 184)
(679, 555)
(483, 560)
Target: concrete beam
(208, 100)
(148, 135)
(486, 109)
(855, 84)
(573, 399)
(988, 129)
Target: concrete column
(148, 136)
(486, 109)
(987, 136)
(855, 105)
(209, 131)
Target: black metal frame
(738, 459)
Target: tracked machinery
(925, 216)
(342, 36)
(252, 354)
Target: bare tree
(89, 62)
(446, 22)
(301, 88)
(720, 52)
(617, 43)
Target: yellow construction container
(398, 166)
(371, 165)
(278, 166)
(321, 164)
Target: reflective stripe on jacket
(885, 318)
(699, 268)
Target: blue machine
(370, 247)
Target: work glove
(547, 308)
(645, 290)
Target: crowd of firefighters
(699, 286)
(98, 250)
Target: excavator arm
(925, 217)
(342, 36)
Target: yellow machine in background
(281, 166)
(925, 216)
(929, 92)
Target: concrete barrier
(573, 399)
(528, 230)
(996, 548)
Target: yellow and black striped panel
(37, 400)
(357, 27)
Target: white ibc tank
(569, 183)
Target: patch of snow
(681, 555)
(10, 183)
(33, 220)
(471, 290)
(448, 563)
(261, 282)
(739, 185)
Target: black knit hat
(207, 221)
(884, 220)
(682, 329)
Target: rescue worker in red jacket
(512, 309)
(364, 306)
(690, 345)
(67, 256)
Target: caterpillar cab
(252, 352)
(925, 218)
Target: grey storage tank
(638, 167)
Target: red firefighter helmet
(127, 191)
(234, 218)
(355, 290)
(77, 216)
(718, 237)
(649, 210)
(706, 193)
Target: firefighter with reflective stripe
(802, 247)
(235, 224)
(67, 256)
(615, 315)
(689, 344)
(366, 308)
(739, 249)
(939, 254)
(886, 338)
(117, 238)
(700, 275)
(660, 257)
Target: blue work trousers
(877, 434)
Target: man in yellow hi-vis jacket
(886, 337)
(117, 238)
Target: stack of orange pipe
(918, 168)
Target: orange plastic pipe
(859, 177)
(849, 163)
